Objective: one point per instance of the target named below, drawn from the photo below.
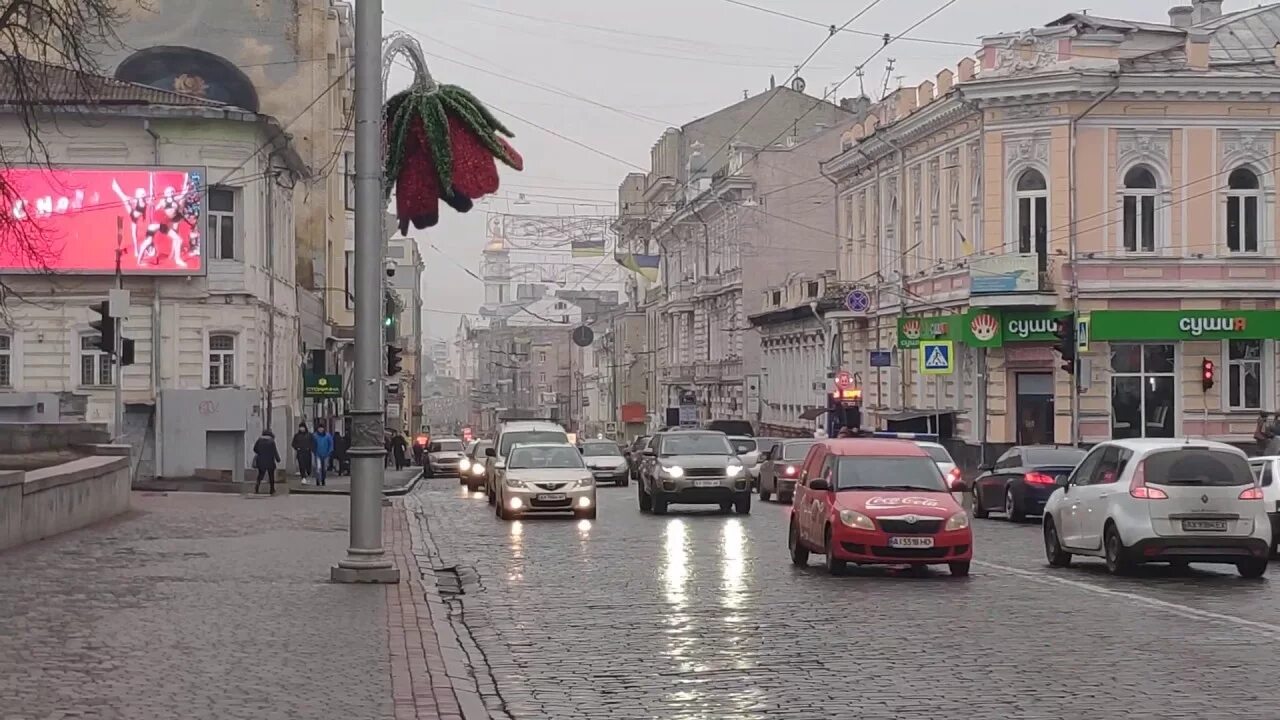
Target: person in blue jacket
(324, 449)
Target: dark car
(634, 453)
(780, 467)
(693, 467)
(1022, 480)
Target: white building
(217, 345)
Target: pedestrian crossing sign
(937, 357)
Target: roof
(1245, 37)
(1148, 445)
(1097, 22)
(872, 447)
(46, 84)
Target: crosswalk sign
(937, 357)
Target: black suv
(692, 467)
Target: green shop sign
(1140, 325)
(913, 329)
(322, 386)
(981, 327)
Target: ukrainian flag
(645, 266)
(588, 248)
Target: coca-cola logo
(884, 503)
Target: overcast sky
(638, 67)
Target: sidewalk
(395, 482)
(218, 606)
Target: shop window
(1140, 210)
(1244, 374)
(1143, 390)
(1033, 216)
(1243, 195)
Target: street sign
(611, 429)
(843, 379)
(393, 411)
(881, 358)
(937, 357)
(321, 386)
(582, 336)
(858, 301)
(1082, 333)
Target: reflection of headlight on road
(733, 470)
(674, 471)
(959, 521)
(855, 519)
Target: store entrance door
(1033, 411)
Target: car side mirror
(649, 453)
(490, 452)
(820, 484)
(956, 484)
(581, 450)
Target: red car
(876, 502)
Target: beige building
(1118, 168)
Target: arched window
(1033, 215)
(1243, 195)
(1140, 210)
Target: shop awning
(906, 415)
(813, 413)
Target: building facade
(1116, 171)
(406, 284)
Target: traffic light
(394, 361)
(106, 327)
(1066, 344)
(126, 352)
(1207, 371)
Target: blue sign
(937, 357)
(858, 301)
(881, 358)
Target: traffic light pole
(366, 561)
(117, 351)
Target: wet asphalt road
(701, 615)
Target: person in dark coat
(341, 446)
(400, 448)
(266, 456)
(304, 446)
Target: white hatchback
(1160, 500)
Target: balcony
(705, 372)
(675, 374)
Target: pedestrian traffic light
(105, 325)
(1066, 344)
(394, 361)
(126, 352)
(1207, 371)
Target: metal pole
(365, 561)
(117, 351)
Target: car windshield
(448, 446)
(640, 442)
(478, 449)
(743, 445)
(938, 453)
(1067, 457)
(889, 473)
(531, 458)
(795, 451)
(600, 450)
(526, 437)
(1199, 467)
(695, 444)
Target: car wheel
(726, 507)
(764, 494)
(1012, 512)
(624, 481)
(959, 569)
(644, 498)
(1053, 551)
(1116, 554)
(659, 503)
(1252, 569)
(834, 566)
(742, 505)
(979, 511)
(799, 553)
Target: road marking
(1176, 608)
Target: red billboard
(73, 220)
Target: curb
(405, 489)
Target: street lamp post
(366, 561)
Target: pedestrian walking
(266, 456)
(304, 446)
(1267, 434)
(342, 451)
(324, 451)
(400, 448)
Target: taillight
(1253, 492)
(954, 475)
(1035, 478)
(791, 470)
(1138, 486)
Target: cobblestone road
(699, 615)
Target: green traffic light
(387, 322)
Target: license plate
(911, 542)
(706, 483)
(1204, 525)
(551, 497)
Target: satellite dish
(798, 85)
(582, 336)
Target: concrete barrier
(37, 504)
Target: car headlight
(733, 470)
(477, 469)
(464, 464)
(855, 519)
(959, 521)
(674, 471)
(586, 481)
(513, 483)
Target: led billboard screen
(71, 220)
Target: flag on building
(588, 248)
(966, 247)
(645, 266)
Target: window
(95, 365)
(542, 356)
(812, 290)
(222, 360)
(349, 180)
(1243, 193)
(1140, 210)
(222, 222)
(542, 378)
(1111, 466)
(777, 298)
(1142, 390)
(6, 361)
(1033, 216)
(1244, 374)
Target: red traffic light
(1207, 371)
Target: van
(514, 433)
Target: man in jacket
(266, 456)
(304, 447)
(323, 450)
